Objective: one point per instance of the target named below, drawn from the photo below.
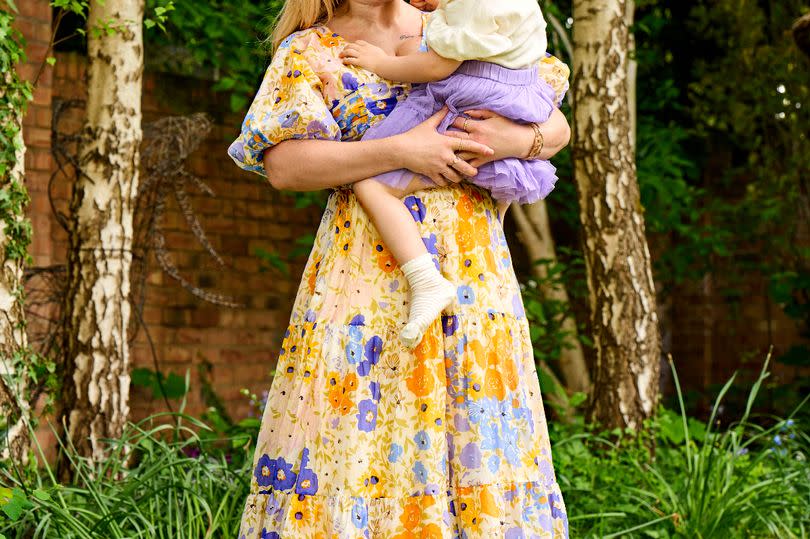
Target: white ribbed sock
(430, 293)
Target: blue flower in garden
(359, 513)
(422, 440)
(417, 209)
(430, 244)
(284, 477)
(395, 452)
(777, 440)
(373, 349)
(420, 471)
(307, 479)
(367, 418)
(265, 471)
(466, 296)
(354, 351)
(449, 324)
(269, 535)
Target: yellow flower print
(420, 382)
(329, 40)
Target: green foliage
(218, 38)
(749, 479)
(176, 485)
(172, 386)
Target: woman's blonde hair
(298, 15)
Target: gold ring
(464, 125)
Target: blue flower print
(265, 471)
(509, 443)
(269, 535)
(493, 463)
(307, 479)
(476, 410)
(354, 351)
(359, 513)
(373, 349)
(417, 209)
(381, 106)
(358, 320)
(489, 436)
(367, 418)
(284, 477)
(470, 455)
(395, 452)
(374, 388)
(514, 533)
(430, 244)
(422, 440)
(420, 472)
(355, 333)
(517, 306)
(466, 296)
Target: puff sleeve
(556, 73)
(288, 105)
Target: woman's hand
(508, 138)
(426, 151)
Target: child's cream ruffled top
(511, 33)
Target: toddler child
(479, 54)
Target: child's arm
(420, 67)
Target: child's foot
(430, 294)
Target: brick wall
(708, 337)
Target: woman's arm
(508, 138)
(310, 165)
(420, 67)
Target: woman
(361, 437)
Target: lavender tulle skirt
(518, 94)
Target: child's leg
(502, 207)
(430, 291)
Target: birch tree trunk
(534, 232)
(620, 282)
(95, 395)
(13, 340)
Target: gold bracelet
(539, 142)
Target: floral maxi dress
(360, 437)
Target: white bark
(620, 282)
(13, 339)
(96, 384)
(534, 231)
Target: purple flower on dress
(517, 306)
(373, 348)
(471, 455)
(381, 106)
(307, 479)
(269, 535)
(417, 209)
(265, 471)
(349, 82)
(367, 418)
(430, 244)
(374, 388)
(289, 118)
(449, 324)
(514, 533)
(284, 477)
(554, 501)
(358, 320)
